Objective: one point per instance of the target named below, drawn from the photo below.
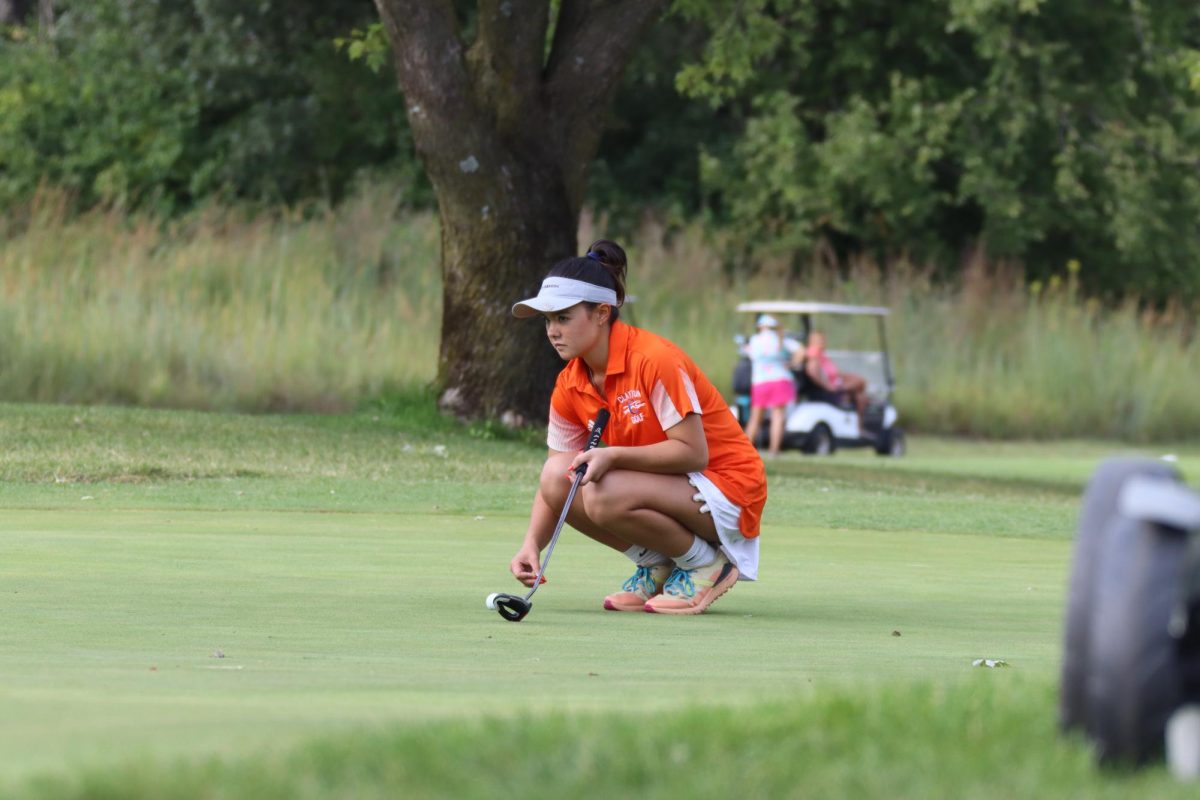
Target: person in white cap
(772, 357)
(678, 489)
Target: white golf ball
(491, 600)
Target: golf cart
(818, 421)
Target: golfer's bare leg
(649, 510)
(553, 489)
(625, 508)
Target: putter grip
(594, 437)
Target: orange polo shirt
(650, 386)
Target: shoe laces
(642, 578)
(680, 583)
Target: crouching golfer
(679, 489)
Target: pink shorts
(772, 393)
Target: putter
(512, 607)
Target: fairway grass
(301, 598)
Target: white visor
(559, 293)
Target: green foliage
(1044, 131)
(367, 44)
(649, 156)
(172, 101)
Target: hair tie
(594, 257)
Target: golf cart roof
(799, 307)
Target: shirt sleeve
(791, 345)
(672, 392)
(564, 432)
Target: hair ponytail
(611, 256)
(603, 265)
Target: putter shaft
(562, 518)
(593, 440)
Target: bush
(166, 102)
(1045, 132)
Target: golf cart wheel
(1133, 676)
(891, 442)
(819, 441)
(1098, 513)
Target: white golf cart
(819, 421)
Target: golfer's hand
(599, 461)
(525, 565)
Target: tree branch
(506, 60)
(593, 43)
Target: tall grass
(984, 355)
(219, 311)
(322, 311)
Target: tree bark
(14, 12)
(506, 135)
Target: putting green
(186, 633)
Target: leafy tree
(1046, 132)
(168, 102)
(649, 158)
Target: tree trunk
(494, 253)
(506, 136)
(14, 12)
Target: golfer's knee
(554, 484)
(603, 504)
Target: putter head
(511, 607)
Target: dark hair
(604, 265)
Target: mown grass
(217, 605)
(325, 311)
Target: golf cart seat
(800, 378)
(742, 372)
(808, 390)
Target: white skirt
(741, 551)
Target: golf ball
(491, 600)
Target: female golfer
(679, 489)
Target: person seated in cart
(826, 376)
